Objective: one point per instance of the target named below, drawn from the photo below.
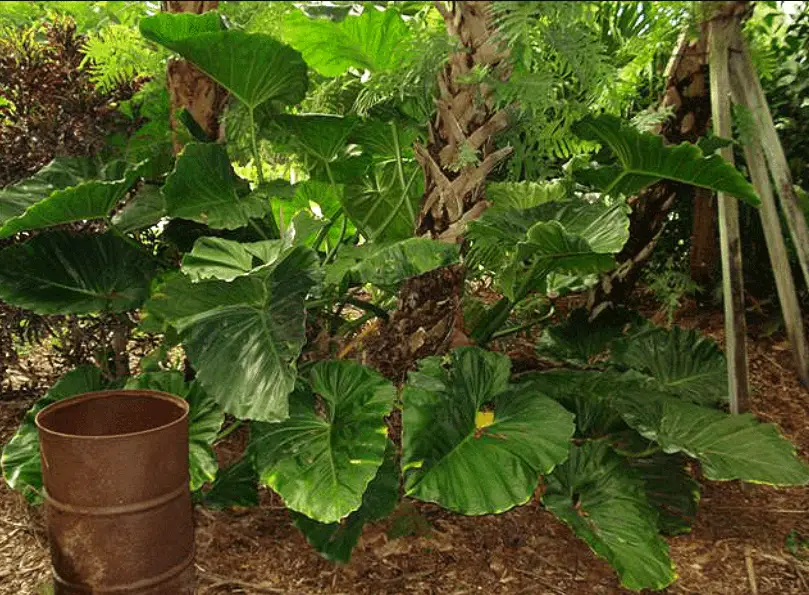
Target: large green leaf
(235, 486)
(20, 459)
(371, 41)
(670, 489)
(244, 336)
(524, 195)
(566, 251)
(728, 446)
(392, 264)
(204, 188)
(582, 393)
(574, 237)
(313, 205)
(336, 541)
(326, 196)
(254, 67)
(387, 265)
(549, 248)
(89, 200)
(322, 458)
(62, 273)
(384, 206)
(65, 190)
(604, 502)
(217, 258)
(321, 137)
(143, 210)
(684, 362)
(383, 203)
(205, 419)
(456, 454)
(61, 173)
(643, 159)
(578, 340)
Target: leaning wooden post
(720, 29)
(774, 152)
(773, 234)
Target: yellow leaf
(483, 419)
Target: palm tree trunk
(189, 87)
(687, 93)
(460, 153)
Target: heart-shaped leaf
(336, 541)
(322, 458)
(216, 258)
(370, 41)
(670, 489)
(204, 188)
(62, 273)
(643, 159)
(475, 470)
(684, 362)
(604, 502)
(65, 190)
(728, 446)
(254, 67)
(243, 336)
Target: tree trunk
(189, 87)
(687, 93)
(460, 151)
(704, 248)
(456, 160)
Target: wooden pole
(773, 234)
(720, 29)
(773, 151)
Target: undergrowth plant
(246, 277)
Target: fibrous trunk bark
(460, 151)
(189, 87)
(704, 248)
(459, 155)
(687, 94)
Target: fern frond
(648, 120)
(117, 55)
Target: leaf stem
(352, 324)
(254, 147)
(260, 175)
(513, 330)
(339, 242)
(332, 220)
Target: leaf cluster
(250, 273)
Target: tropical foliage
(302, 226)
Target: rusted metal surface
(118, 505)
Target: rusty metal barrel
(118, 505)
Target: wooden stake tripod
(732, 75)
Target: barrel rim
(104, 394)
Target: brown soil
(737, 545)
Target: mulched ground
(737, 545)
